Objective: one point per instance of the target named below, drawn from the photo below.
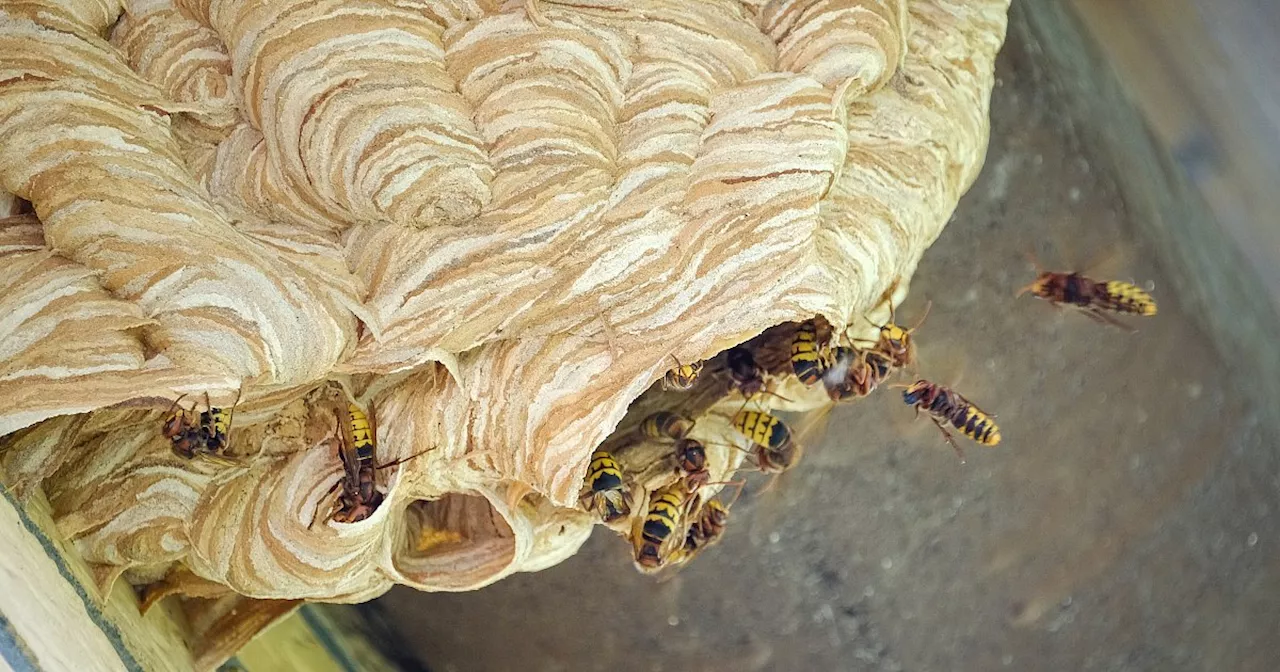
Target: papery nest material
(491, 224)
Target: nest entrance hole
(453, 541)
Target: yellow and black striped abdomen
(712, 520)
(762, 429)
(663, 516)
(665, 425)
(361, 435)
(651, 426)
(976, 425)
(807, 359)
(604, 473)
(214, 423)
(1125, 297)
(219, 420)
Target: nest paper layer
(491, 222)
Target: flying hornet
(943, 404)
(1095, 298)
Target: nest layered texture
(493, 223)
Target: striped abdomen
(762, 429)
(663, 516)
(361, 435)
(665, 425)
(1125, 297)
(604, 473)
(808, 360)
(219, 419)
(660, 523)
(948, 405)
(973, 423)
(1075, 289)
(712, 519)
(213, 424)
(607, 493)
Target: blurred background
(1129, 519)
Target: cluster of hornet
(206, 435)
(678, 522)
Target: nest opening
(453, 542)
